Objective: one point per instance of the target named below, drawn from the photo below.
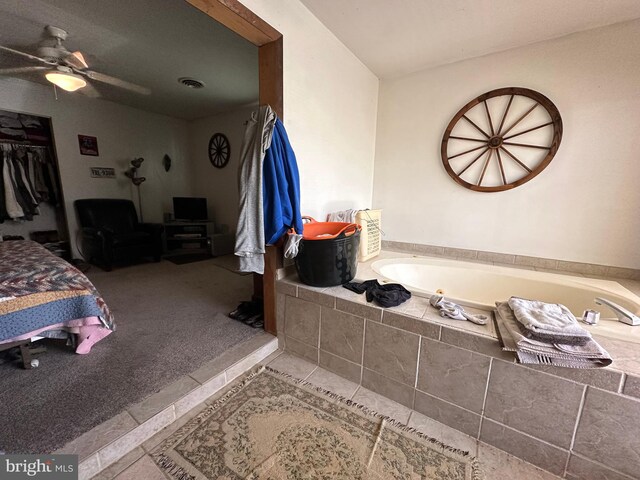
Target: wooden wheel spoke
(504, 116)
(528, 130)
(467, 151)
(486, 109)
(526, 145)
(504, 178)
(473, 161)
(484, 169)
(516, 159)
(493, 152)
(469, 139)
(476, 126)
(522, 117)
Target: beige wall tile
(396, 391)
(536, 262)
(302, 320)
(99, 436)
(503, 466)
(360, 309)
(157, 402)
(318, 297)
(391, 352)
(125, 462)
(533, 402)
(341, 334)
(120, 447)
(411, 324)
(293, 365)
(349, 370)
(453, 374)
(308, 352)
(447, 413)
(619, 272)
(548, 457)
(472, 341)
(608, 431)
(496, 257)
(632, 386)
(585, 268)
(199, 395)
(144, 468)
(460, 253)
(604, 378)
(382, 405)
(443, 433)
(580, 468)
(287, 288)
(334, 383)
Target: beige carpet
(271, 426)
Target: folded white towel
(541, 317)
(530, 351)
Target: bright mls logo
(49, 467)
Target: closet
(31, 204)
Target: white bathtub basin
(481, 285)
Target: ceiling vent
(191, 82)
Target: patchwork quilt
(39, 289)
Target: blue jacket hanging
(281, 188)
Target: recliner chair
(111, 232)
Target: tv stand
(186, 237)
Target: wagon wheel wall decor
(219, 150)
(501, 139)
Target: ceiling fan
(68, 70)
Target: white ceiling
(148, 42)
(397, 37)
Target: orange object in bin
(333, 261)
(314, 230)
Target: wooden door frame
(238, 18)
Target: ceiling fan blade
(10, 71)
(76, 59)
(116, 82)
(27, 55)
(90, 91)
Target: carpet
(166, 328)
(271, 426)
(188, 258)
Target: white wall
(330, 102)
(218, 185)
(123, 133)
(584, 207)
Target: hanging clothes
(281, 188)
(250, 244)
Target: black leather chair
(111, 232)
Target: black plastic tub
(328, 262)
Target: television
(190, 208)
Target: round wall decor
(501, 139)
(219, 150)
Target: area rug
(271, 426)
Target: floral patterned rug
(271, 426)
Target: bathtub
(479, 285)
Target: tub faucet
(624, 315)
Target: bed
(42, 295)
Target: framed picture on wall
(88, 145)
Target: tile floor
(497, 464)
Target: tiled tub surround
(522, 261)
(123, 435)
(573, 423)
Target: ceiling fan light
(66, 81)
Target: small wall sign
(103, 172)
(88, 145)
